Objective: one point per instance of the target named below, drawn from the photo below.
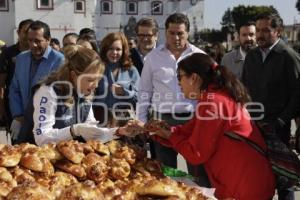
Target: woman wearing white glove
(90, 131)
(62, 103)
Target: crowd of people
(51, 92)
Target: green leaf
(169, 171)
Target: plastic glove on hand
(103, 134)
(15, 128)
(92, 132)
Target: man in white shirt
(234, 60)
(159, 89)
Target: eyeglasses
(179, 76)
(145, 35)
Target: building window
(44, 4)
(3, 5)
(156, 8)
(131, 7)
(193, 2)
(79, 6)
(106, 7)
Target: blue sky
(214, 10)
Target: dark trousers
(168, 156)
(284, 133)
(287, 194)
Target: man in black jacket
(271, 74)
(7, 70)
(147, 34)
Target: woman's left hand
(158, 127)
(162, 133)
(117, 89)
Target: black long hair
(213, 74)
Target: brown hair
(125, 60)
(147, 22)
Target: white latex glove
(92, 132)
(15, 128)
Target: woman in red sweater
(235, 169)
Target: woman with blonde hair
(118, 88)
(62, 102)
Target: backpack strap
(297, 136)
(235, 136)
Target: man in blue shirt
(31, 66)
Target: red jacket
(234, 168)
